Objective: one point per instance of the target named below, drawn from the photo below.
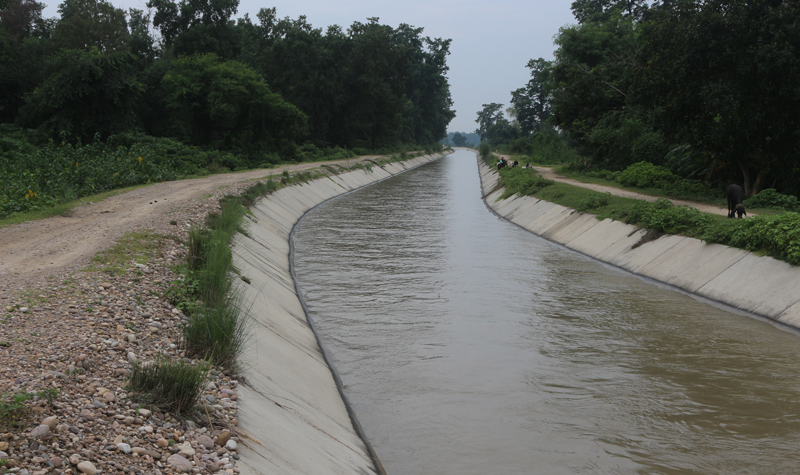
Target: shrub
(172, 386)
(594, 201)
(778, 235)
(665, 217)
(645, 175)
(13, 408)
(770, 198)
(521, 181)
(216, 332)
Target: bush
(594, 201)
(778, 235)
(216, 332)
(521, 181)
(665, 217)
(770, 198)
(645, 175)
(171, 386)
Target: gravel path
(71, 332)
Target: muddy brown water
(467, 345)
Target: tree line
(707, 88)
(267, 89)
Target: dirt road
(35, 249)
(548, 173)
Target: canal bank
(756, 284)
(293, 416)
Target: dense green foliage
(709, 90)
(771, 199)
(665, 217)
(35, 177)
(521, 181)
(777, 235)
(230, 93)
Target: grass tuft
(173, 386)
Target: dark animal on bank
(734, 195)
(516, 163)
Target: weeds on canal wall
(777, 236)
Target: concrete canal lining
(756, 284)
(293, 418)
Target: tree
(24, 47)
(459, 140)
(205, 22)
(87, 24)
(590, 81)
(724, 77)
(87, 93)
(599, 11)
(487, 117)
(226, 105)
(141, 41)
(532, 103)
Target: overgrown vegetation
(688, 86)
(97, 99)
(649, 179)
(521, 181)
(173, 386)
(771, 199)
(778, 236)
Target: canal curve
(469, 345)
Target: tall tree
(532, 103)
(87, 24)
(600, 11)
(724, 76)
(87, 93)
(225, 104)
(24, 48)
(197, 26)
(487, 117)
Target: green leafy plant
(594, 201)
(645, 175)
(770, 198)
(13, 408)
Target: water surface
(470, 346)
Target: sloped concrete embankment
(292, 417)
(757, 284)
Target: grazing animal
(516, 163)
(734, 195)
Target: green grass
(133, 247)
(173, 386)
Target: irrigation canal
(469, 346)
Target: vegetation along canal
(469, 346)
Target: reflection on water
(469, 346)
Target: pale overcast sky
(492, 41)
